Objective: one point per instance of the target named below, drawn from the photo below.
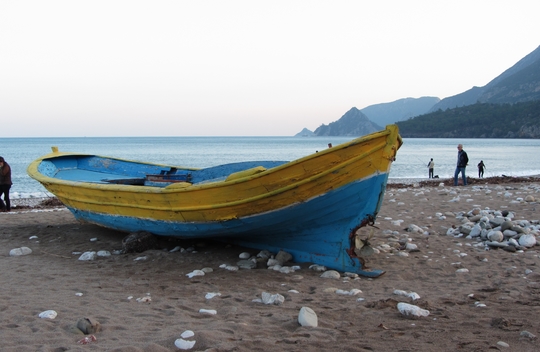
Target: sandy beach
(493, 305)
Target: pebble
(211, 295)
(503, 344)
(246, 264)
(411, 311)
(17, 252)
(48, 314)
(87, 256)
(103, 254)
(208, 311)
(412, 295)
(187, 334)
(307, 317)
(195, 273)
(527, 240)
(184, 344)
(268, 298)
(244, 255)
(330, 274)
(352, 292)
(528, 335)
(283, 257)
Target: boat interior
(94, 169)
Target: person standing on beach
(5, 185)
(462, 161)
(481, 168)
(430, 166)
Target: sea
(510, 157)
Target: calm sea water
(513, 157)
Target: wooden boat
(312, 207)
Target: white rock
(88, 256)
(175, 249)
(103, 254)
(451, 232)
(208, 311)
(17, 252)
(195, 273)
(503, 344)
(495, 236)
(462, 270)
(207, 270)
(268, 298)
(183, 344)
(33, 238)
(475, 231)
(211, 295)
(48, 314)
(286, 270)
(244, 255)
(411, 247)
(145, 299)
(317, 267)
(307, 317)
(410, 310)
(187, 334)
(140, 258)
(79, 294)
(352, 292)
(527, 240)
(231, 268)
(272, 262)
(415, 228)
(412, 295)
(355, 291)
(330, 274)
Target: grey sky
(225, 68)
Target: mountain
(399, 110)
(305, 133)
(520, 83)
(353, 123)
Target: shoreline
(51, 201)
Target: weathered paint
(307, 207)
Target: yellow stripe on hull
(240, 196)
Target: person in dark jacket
(5, 185)
(481, 168)
(462, 160)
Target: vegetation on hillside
(520, 120)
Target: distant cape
(354, 123)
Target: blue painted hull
(311, 231)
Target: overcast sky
(241, 68)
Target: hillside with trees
(520, 120)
